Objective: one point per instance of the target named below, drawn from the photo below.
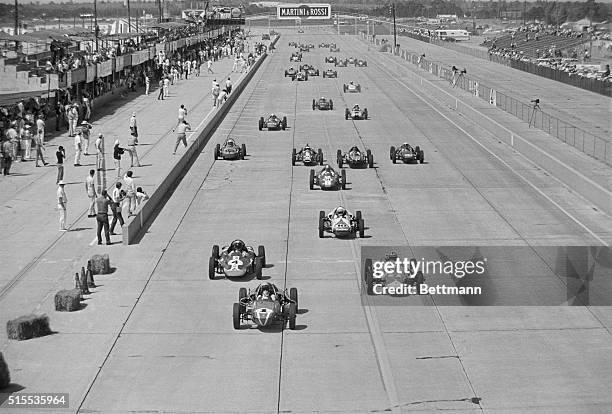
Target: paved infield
(157, 335)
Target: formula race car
(330, 59)
(236, 260)
(341, 223)
(301, 76)
(309, 69)
(341, 63)
(361, 63)
(351, 87)
(291, 72)
(330, 73)
(230, 150)
(295, 57)
(265, 305)
(293, 44)
(323, 45)
(310, 46)
(322, 104)
(407, 154)
(300, 30)
(355, 158)
(265, 36)
(307, 155)
(410, 277)
(328, 179)
(273, 122)
(304, 48)
(356, 113)
(334, 49)
(352, 60)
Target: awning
(12, 98)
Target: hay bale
(27, 327)
(5, 375)
(68, 300)
(100, 264)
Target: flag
(493, 97)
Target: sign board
(304, 11)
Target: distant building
(511, 14)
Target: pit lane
(178, 351)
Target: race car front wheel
(236, 316)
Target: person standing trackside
(228, 85)
(181, 134)
(90, 188)
(100, 152)
(132, 142)
(85, 131)
(62, 202)
(182, 112)
(40, 146)
(209, 65)
(78, 148)
(130, 188)
(133, 125)
(102, 204)
(166, 86)
(161, 90)
(40, 128)
(216, 89)
(116, 207)
(147, 84)
(61, 156)
(117, 152)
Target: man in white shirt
(90, 188)
(182, 112)
(130, 189)
(78, 148)
(62, 202)
(100, 152)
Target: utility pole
(394, 28)
(159, 7)
(16, 18)
(96, 28)
(524, 11)
(129, 17)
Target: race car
(236, 260)
(341, 63)
(326, 45)
(322, 104)
(265, 305)
(355, 158)
(410, 276)
(407, 154)
(309, 69)
(328, 179)
(265, 36)
(351, 87)
(334, 49)
(341, 223)
(290, 72)
(301, 76)
(295, 57)
(293, 44)
(273, 123)
(352, 60)
(307, 155)
(330, 73)
(230, 150)
(356, 113)
(300, 30)
(330, 59)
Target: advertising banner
(304, 11)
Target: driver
(405, 145)
(230, 142)
(339, 212)
(354, 150)
(266, 292)
(356, 107)
(328, 169)
(273, 117)
(237, 246)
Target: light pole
(16, 18)
(96, 29)
(394, 28)
(129, 17)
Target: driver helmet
(405, 145)
(327, 168)
(272, 116)
(265, 287)
(322, 98)
(237, 245)
(230, 142)
(391, 256)
(351, 82)
(341, 211)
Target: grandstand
(530, 48)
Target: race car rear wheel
(311, 179)
(358, 214)
(313, 105)
(365, 113)
(321, 224)
(258, 266)
(419, 279)
(331, 104)
(323, 74)
(344, 88)
(217, 151)
(215, 251)
(293, 295)
(361, 228)
(320, 156)
(347, 113)
(292, 315)
(344, 179)
(284, 125)
(243, 153)
(370, 159)
(391, 152)
(236, 316)
(422, 157)
(261, 122)
(261, 253)
(293, 155)
(339, 158)
(242, 293)
(212, 264)
(358, 88)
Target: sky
(213, 1)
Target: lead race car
(290, 72)
(407, 154)
(330, 59)
(341, 63)
(352, 60)
(230, 150)
(330, 73)
(322, 104)
(360, 63)
(355, 158)
(307, 155)
(325, 45)
(236, 260)
(341, 223)
(328, 179)
(295, 57)
(356, 113)
(411, 277)
(351, 87)
(266, 305)
(273, 123)
(309, 69)
(301, 76)
(334, 48)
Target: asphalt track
(159, 333)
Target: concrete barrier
(141, 219)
